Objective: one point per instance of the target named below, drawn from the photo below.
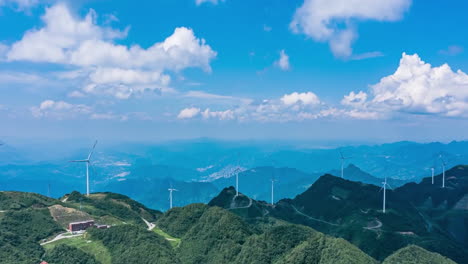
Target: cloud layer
(334, 21)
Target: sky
(360, 70)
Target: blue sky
(305, 69)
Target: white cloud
(308, 98)
(355, 99)
(290, 107)
(333, 21)
(415, 88)
(221, 115)
(60, 110)
(283, 61)
(188, 113)
(103, 66)
(215, 2)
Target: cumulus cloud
(416, 87)
(334, 21)
(107, 67)
(308, 98)
(188, 113)
(357, 100)
(283, 61)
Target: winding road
(311, 218)
(60, 237)
(233, 202)
(379, 225)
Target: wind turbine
(343, 158)
(170, 196)
(443, 171)
(384, 188)
(236, 171)
(88, 163)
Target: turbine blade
(78, 160)
(92, 150)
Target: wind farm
(224, 131)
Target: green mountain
(416, 255)
(32, 229)
(447, 207)
(353, 211)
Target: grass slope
(92, 247)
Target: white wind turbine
(170, 196)
(273, 190)
(343, 158)
(236, 171)
(443, 170)
(88, 163)
(384, 188)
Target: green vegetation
(22, 200)
(254, 233)
(415, 255)
(92, 247)
(175, 242)
(20, 232)
(271, 245)
(217, 237)
(103, 205)
(64, 254)
(352, 211)
(133, 244)
(326, 250)
(179, 220)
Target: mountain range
(333, 221)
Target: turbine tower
(432, 171)
(273, 190)
(384, 188)
(443, 170)
(343, 158)
(170, 196)
(88, 163)
(236, 171)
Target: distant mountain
(352, 210)
(256, 182)
(353, 173)
(153, 192)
